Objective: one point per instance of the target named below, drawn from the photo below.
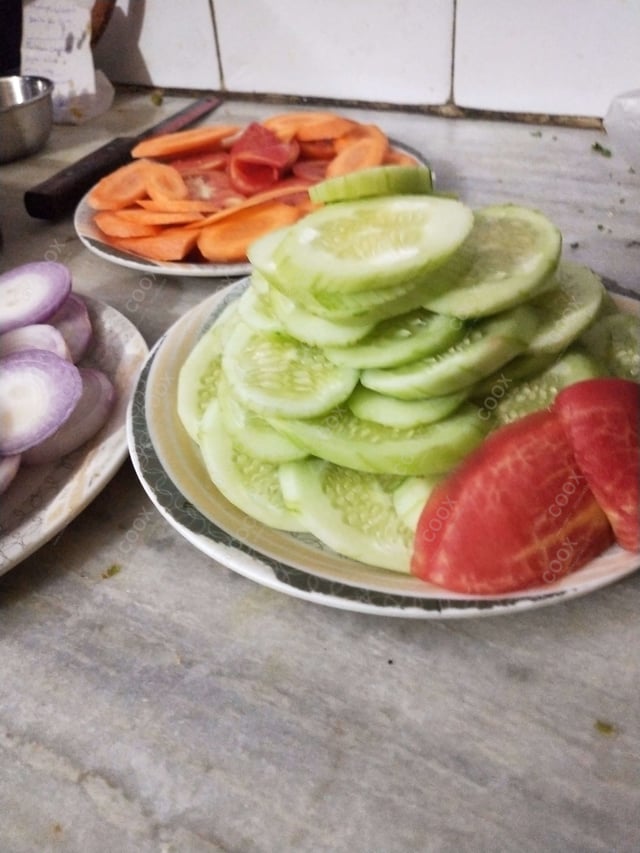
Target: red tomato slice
(602, 418)
(258, 158)
(198, 163)
(517, 512)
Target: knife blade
(59, 194)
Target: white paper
(56, 43)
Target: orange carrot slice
(361, 131)
(315, 123)
(324, 127)
(163, 181)
(140, 216)
(287, 125)
(394, 157)
(113, 225)
(171, 244)
(120, 188)
(317, 149)
(286, 187)
(365, 152)
(183, 142)
(227, 241)
(179, 205)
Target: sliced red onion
(34, 336)
(31, 293)
(88, 417)
(38, 392)
(8, 469)
(73, 322)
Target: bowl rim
(47, 91)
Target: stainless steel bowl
(26, 116)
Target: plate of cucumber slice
(292, 551)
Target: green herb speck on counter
(600, 149)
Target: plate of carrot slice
(191, 202)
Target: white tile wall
(159, 43)
(567, 57)
(377, 50)
(549, 56)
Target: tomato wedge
(258, 159)
(601, 418)
(517, 512)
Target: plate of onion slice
(68, 366)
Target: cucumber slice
(567, 309)
(507, 258)
(342, 438)
(251, 433)
(246, 482)
(389, 411)
(540, 391)
(313, 330)
(490, 344)
(401, 339)
(370, 306)
(377, 181)
(521, 367)
(199, 375)
(274, 374)
(260, 252)
(349, 511)
(410, 497)
(370, 244)
(256, 309)
(615, 341)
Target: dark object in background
(10, 36)
(101, 12)
(59, 194)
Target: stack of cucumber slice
(377, 342)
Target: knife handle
(59, 194)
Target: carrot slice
(163, 181)
(324, 127)
(361, 131)
(393, 157)
(227, 241)
(111, 223)
(171, 244)
(120, 188)
(157, 217)
(286, 187)
(317, 149)
(179, 205)
(287, 125)
(184, 141)
(364, 153)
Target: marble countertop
(177, 707)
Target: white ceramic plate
(169, 466)
(93, 239)
(43, 499)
